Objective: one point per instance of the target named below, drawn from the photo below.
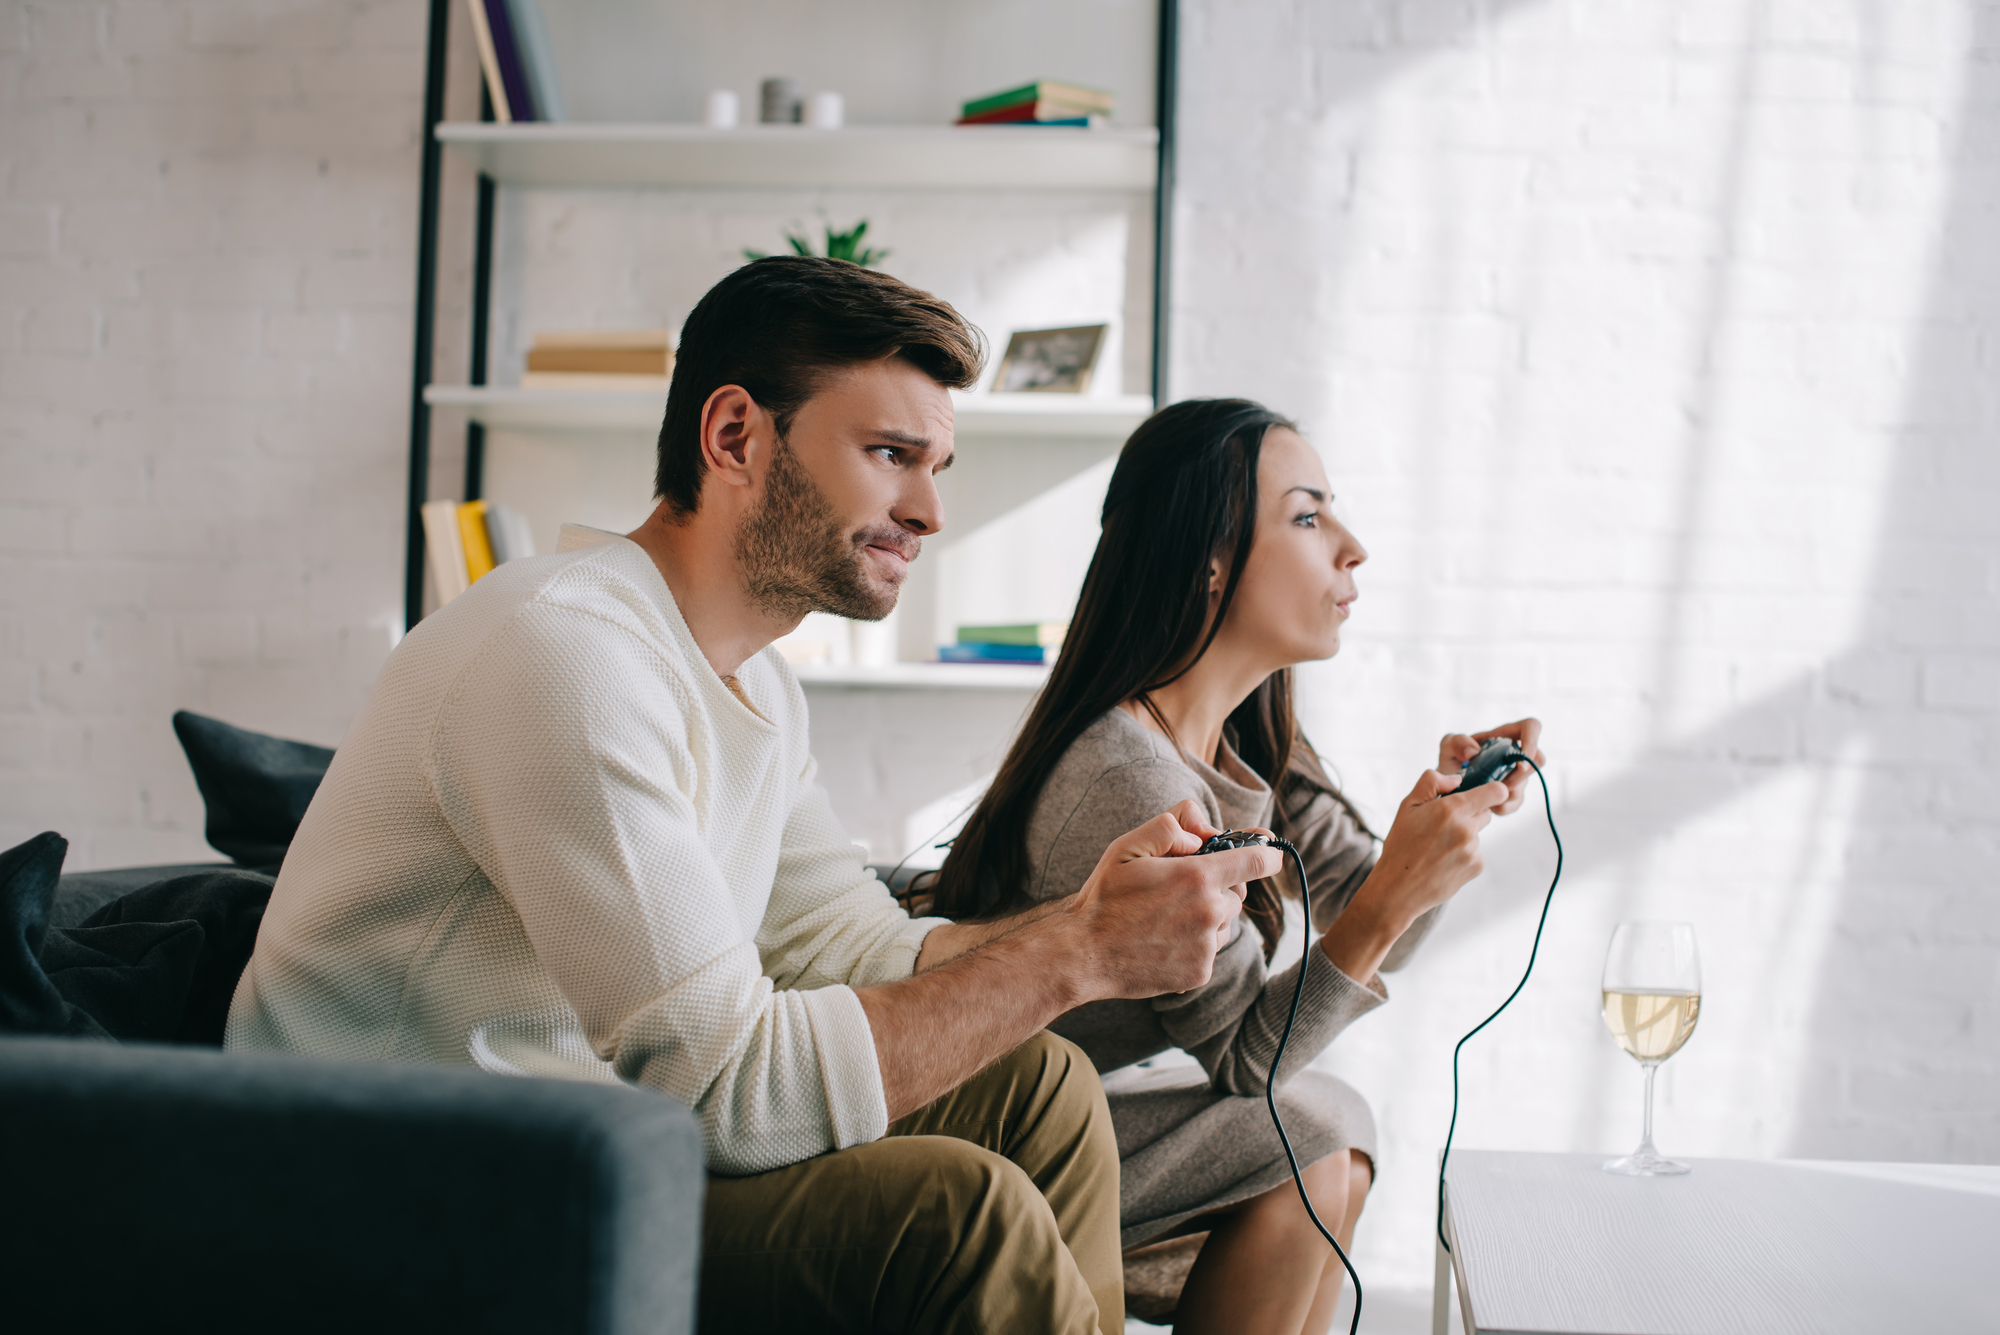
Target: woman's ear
(1214, 575)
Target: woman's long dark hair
(1184, 495)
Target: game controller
(1228, 839)
(1497, 758)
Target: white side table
(1548, 1244)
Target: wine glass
(1652, 998)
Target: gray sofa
(154, 1187)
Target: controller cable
(1271, 1081)
(1299, 991)
(1548, 806)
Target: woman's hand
(1431, 851)
(1458, 747)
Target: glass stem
(1646, 1142)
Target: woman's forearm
(1362, 937)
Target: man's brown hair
(776, 327)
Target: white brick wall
(1653, 350)
(207, 219)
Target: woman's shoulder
(1117, 757)
(1117, 775)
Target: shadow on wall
(1912, 917)
(1918, 919)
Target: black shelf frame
(1166, 98)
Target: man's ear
(735, 432)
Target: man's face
(847, 493)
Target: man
(575, 832)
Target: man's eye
(888, 452)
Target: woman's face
(1298, 581)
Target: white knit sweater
(555, 843)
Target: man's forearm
(997, 985)
(955, 938)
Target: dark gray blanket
(158, 964)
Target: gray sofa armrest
(157, 1188)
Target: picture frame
(1050, 361)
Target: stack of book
(1029, 642)
(466, 539)
(514, 53)
(601, 359)
(1041, 103)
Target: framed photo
(1050, 361)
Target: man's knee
(1060, 1077)
(896, 1235)
(955, 1186)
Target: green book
(1085, 99)
(1047, 634)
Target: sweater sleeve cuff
(855, 1104)
(1336, 997)
(896, 958)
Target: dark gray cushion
(159, 962)
(153, 1189)
(256, 787)
(29, 1001)
(82, 893)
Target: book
(639, 359)
(602, 360)
(489, 63)
(531, 35)
(991, 653)
(1038, 113)
(1074, 95)
(571, 381)
(1047, 634)
(444, 544)
(472, 537)
(507, 56)
(507, 533)
(605, 338)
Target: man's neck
(698, 562)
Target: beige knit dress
(1192, 1139)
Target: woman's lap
(1185, 1149)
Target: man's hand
(1151, 919)
(1458, 747)
(1148, 921)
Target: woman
(1220, 566)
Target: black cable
(1548, 805)
(890, 880)
(1271, 1083)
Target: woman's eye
(1310, 519)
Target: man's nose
(921, 509)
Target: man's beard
(797, 556)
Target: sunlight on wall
(1613, 352)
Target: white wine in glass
(1652, 998)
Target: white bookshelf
(928, 676)
(977, 417)
(930, 157)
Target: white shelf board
(1012, 157)
(929, 676)
(976, 416)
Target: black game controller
(1228, 839)
(1498, 757)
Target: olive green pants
(993, 1209)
